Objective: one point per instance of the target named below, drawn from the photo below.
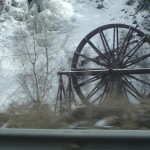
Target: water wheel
(112, 63)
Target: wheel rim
(113, 46)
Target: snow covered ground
(82, 16)
(87, 17)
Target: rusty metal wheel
(113, 62)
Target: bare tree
(36, 75)
(38, 67)
(38, 47)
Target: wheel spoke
(104, 93)
(91, 59)
(125, 44)
(125, 93)
(100, 97)
(135, 96)
(134, 88)
(137, 79)
(114, 37)
(88, 81)
(106, 46)
(95, 89)
(115, 41)
(131, 87)
(134, 50)
(98, 51)
(137, 60)
(97, 98)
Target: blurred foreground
(117, 116)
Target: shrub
(100, 4)
(1, 2)
(1, 5)
(130, 2)
(23, 116)
(143, 5)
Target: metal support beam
(93, 72)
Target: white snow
(88, 17)
(82, 17)
(105, 122)
(5, 125)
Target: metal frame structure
(65, 95)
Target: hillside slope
(78, 18)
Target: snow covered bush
(130, 2)
(143, 5)
(100, 4)
(59, 7)
(18, 9)
(52, 21)
(54, 16)
(1, 2)
(1, 5)
(18, 13)
(14, 3)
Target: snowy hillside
(67, 22)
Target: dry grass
(40, 119)
(124, 116)
(25, 116)
(3, 118)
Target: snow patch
(105, 122)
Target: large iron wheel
(110, 47)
